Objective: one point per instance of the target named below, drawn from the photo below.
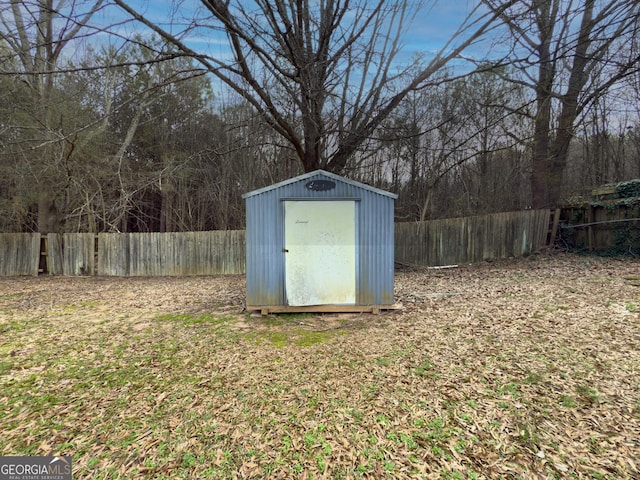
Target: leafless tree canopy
(568, 53)
(113, 120)
(324, 74)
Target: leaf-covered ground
(525, 369)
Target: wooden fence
(19, 253)
(123, 254)
(184, 253)
(438, 242)
(609, 228)
(471, 239)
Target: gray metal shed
(319, 242)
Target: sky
(429, 31)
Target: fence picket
(55, 254)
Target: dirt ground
(517, 369)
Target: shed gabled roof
(330, 175)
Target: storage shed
(319, 242)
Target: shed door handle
(285, 250)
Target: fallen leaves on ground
(526, 368)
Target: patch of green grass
(15, 326)
(595, 446)
(301, 338)
(189, 460)
(406, 439)
(587, 393)
(533, 378)
(465, 417)
(11, 296)
(272, 321)
(5, 366)
(357, 415)
(315, 442)
(436, 433)
(460, 445)
(599, 279)
(307, 339)
(389, 358)
(276, 339)
(71, 308)
(632, 307)
(191, 319)
(510, 388)
(568, 401)
(382, 419)
(425, 369)
(89, 304)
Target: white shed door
(320, 252)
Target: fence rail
(438, 242)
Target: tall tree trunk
(48, 215)
(559, 148)
(540, 161)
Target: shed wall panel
(376, 245)
(264, 259)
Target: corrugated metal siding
(376, 249)
(265, 239)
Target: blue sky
(430, 30)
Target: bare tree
(37, 33)
(453, 149)
(324, 74)
(569, 53)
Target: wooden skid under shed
(375, 309)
